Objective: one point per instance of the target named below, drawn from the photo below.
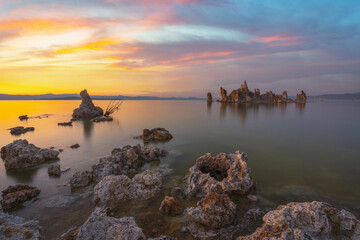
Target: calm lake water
(295, 152)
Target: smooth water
(295, 152)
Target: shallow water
(295, 152)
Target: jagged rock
(223, 95)
(87, 109)
(14, 196)
(21, 154)
(102, 227)
(20, 130)
(308, 220)
(75, 146)
(156, 134)
(224, 173)
(126, 160)
(209, 97)
(16, 228)
(170, 206)
(301, 97)
(65, 124)
(213, 211)
(23, 117)
(81, 179)
(285, 95)
(102, 119)
(113, 189)
(54, 170)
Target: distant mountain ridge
(51, 96)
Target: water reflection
(88, 128)
(300, 107)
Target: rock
(70, 234)
(301, 97)
(102, 119)
(75, 146)
(16, 228)
(102, 227)
(87, 109)
(170, 206)
(308, 220)
(284, 95)
(214, 211)
(23, 117)
(20, 154)
(54, 170)
(14, 196)
(252, 197)
(223, 95)
(65, 124)
(113, 189)
(209, 97)
(178, 192)
(224, 173)
(20, 130)
(163, 238)
(257, 94)
(81, 179)
(156, 134)
(126, 160)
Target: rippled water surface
(295, 152)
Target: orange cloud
(274, 38)
(102, 44)
(206, 55)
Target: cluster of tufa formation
(244, 95)
(87, 109)
(20, 154)
(224, 173)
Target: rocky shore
(244, 95)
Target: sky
(179, 47)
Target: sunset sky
(178, 47)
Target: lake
(296, 152)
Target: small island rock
(54, 170)
(156, 134)
(87, 109)
(23, 117)
(14, 196)
(20, 130)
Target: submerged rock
(14, 196)
(308, 220)
(126, 160)
(170, 206)
(75, 146)
(81, 179)
(16, 228)
(23, 117)
(65, 124)
(224, 173)
(102, 227)
(156, 134)
(87, 109)
(102, 119)
(113, 189)
(54, 170)
(213, 211)
(20, 130)
(20, 154)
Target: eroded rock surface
(156, 134)
(16, 228)
(54, 170)
(81, 179)
(113, 189)
(87, 109)
(102, 227)
(14, 196)
(20, 154)
(20, 130)
(224, 173)
(126, 160)
(170, 206)
(308, 220)
(102, 119)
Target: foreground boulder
(81, 179)
(20, 130)
(87, 109)
(213, 211)
(113, 189)
(20, 154)
(14, 196)
(170, 206)
(156, 134)
(308, 220)
(16, 228)
(224, 173)
(100, 226)
(126, 160)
